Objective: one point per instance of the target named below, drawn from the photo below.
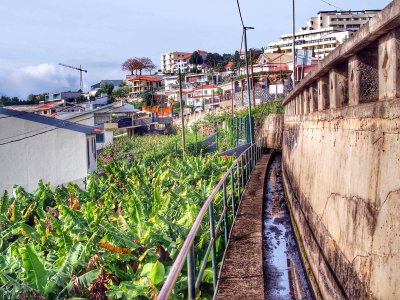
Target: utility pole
(294, 45)
(248, 82)
(233, 93)
(252, 80)
(182, 118)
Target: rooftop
(49, 121)
(144, 78)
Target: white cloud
(21, 81)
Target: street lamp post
(248, 81)
(294, 44)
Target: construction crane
(80, 73)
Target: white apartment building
(168, 60)
(323, 33)
(171, 62)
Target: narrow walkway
(242, 270)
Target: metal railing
(230, 188)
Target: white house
(94, 118)
(206, 94)
(34, 147)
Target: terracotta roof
(144, 78)
(210, 86)
(183, 57)
(230, 64)
(49, 105)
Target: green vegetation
(148, 149)
(115, 238)
(227, 133)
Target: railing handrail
(179, 262)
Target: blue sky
(101, 34)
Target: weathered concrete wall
(341, 161)
(342, 170)
(273, 131)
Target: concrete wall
(273, 131)
(57, 156)
(341, 163)
(341, 171)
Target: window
(99, 137)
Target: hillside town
(269, 172)
(143, 103)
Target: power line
(240, 13)
(330, 4)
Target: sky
(101, 34)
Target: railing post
(225, 213)
(323, 92)
(246, 166)
(191, 274)
(238, 178)
(389, 54)
(233, 193)
(214, 249)
(243, 172)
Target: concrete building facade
(34, 147)
(172, 62)
(142, 84)
(323, 33)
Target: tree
(196, 59)
(31, 98)
(133, 65)
(121, 92)
(255, 53)
(148, 64)
(106, 88)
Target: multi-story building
(142, 84)
(345, 20)
(168, 60)
(323, 33)
(171, 62)
(202, 95)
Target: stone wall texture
(342, 177)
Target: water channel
(284, 273)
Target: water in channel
(284, 274)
